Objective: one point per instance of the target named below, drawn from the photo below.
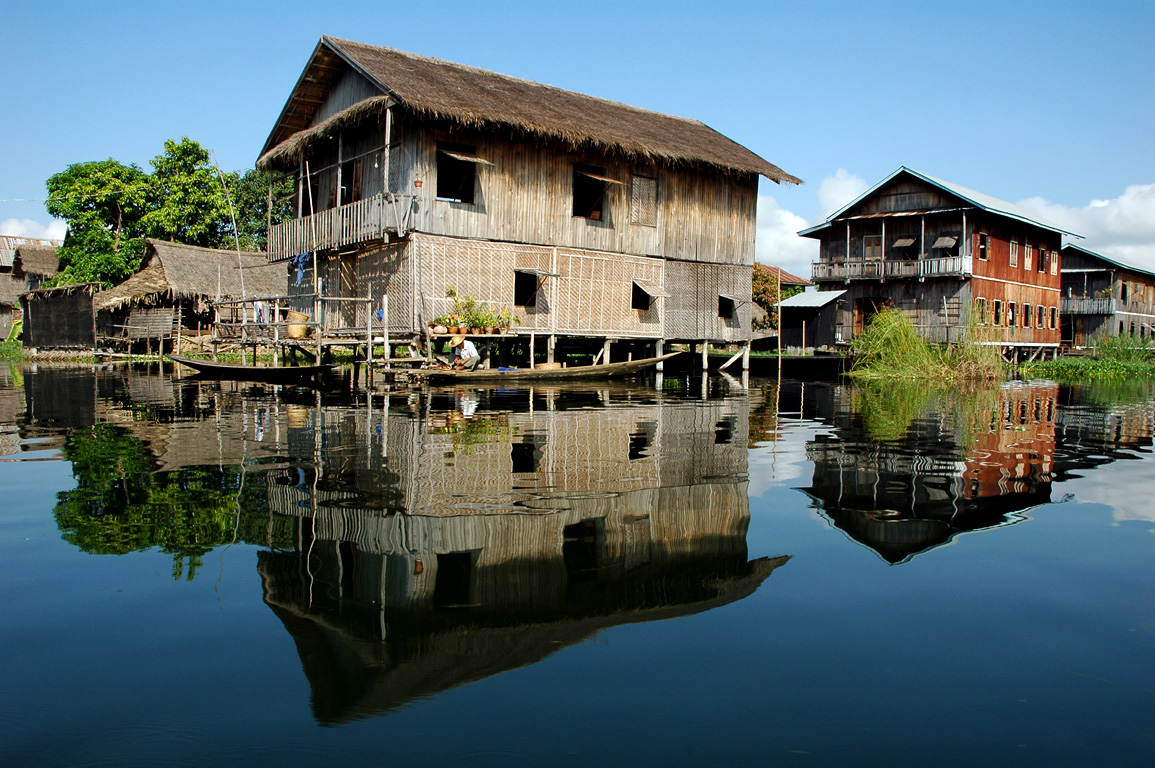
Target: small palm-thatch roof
(189, 271)
(475, 97)
(39, 260)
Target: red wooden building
(938, 252)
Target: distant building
(935, 250)
(1104, 296)
(590, 221)
(25, 263)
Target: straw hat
(456, 339)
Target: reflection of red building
(1018, 451)
(972, 470)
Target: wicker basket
(296, 329)
(547, 366)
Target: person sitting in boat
(465, 356)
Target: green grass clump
(12, 351)
(1114, 357)
(890, 348)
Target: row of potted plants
(472, 316)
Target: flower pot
(440, 329)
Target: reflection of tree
(121, 506)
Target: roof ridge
(512, 78)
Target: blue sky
(1048, 104)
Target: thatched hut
(23, 267)
(586, 220)
(176, 287)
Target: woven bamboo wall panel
(692, 309)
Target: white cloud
(54, 230)
(777, 241)
(838, 190)
(1123, 226)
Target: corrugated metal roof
(975, 198)
(811, 299)
(1113, 260)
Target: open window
(643, 294)
(997, 317)
(351, 173)
(981, 311)
(1011, 319)
(984, 246)
(905, 247)
(589, 191)
(457, 172)
(1043, 254)
(1041, 320)
(727, 305)
(1026, 315)
(947, 244)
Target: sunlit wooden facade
(582, 217)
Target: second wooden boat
(490, 375)
(299, 374)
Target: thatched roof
(478, 98)
(188, 271)
(35, 260)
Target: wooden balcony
(1080, 306)
(884, 269)
(370, 219)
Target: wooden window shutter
(644, 201)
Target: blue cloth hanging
(299, 262)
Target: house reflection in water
(974, 470)
(458, 548)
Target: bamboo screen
(582, 292)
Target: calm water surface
(194, 573)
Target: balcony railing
(364, 220)
(946, 266)
(1076, 306)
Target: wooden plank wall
(526, 196)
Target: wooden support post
(746, 357)
(606, 352)
(532, 344)
(385, 333)
(178, 322)
(277, 332)
(659, 350)
(705, 355)
(368, 331)
(317, 309)
(550, 343)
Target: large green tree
(187, 203)
(251, 201)
(110, 208)
(103, 202)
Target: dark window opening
(351, 181)
(984, 246)
(948, 244)
(639, 299)
(1011, 314)
(525, 287)
(454, 574)
(905, 247)
(580, 550)
(589, 191)
(1123, 292)
(998, 316)
(640, 441)
(1043, 259)
(1041, 321)
(726, 306)
(525, 455)
(456, 173)
(724, 431)
(1026, 315)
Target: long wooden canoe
(270, 374)
(492, 375)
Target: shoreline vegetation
(890, 348)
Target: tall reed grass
(890, 348)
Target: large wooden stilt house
(589, 221)
(938, 251)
